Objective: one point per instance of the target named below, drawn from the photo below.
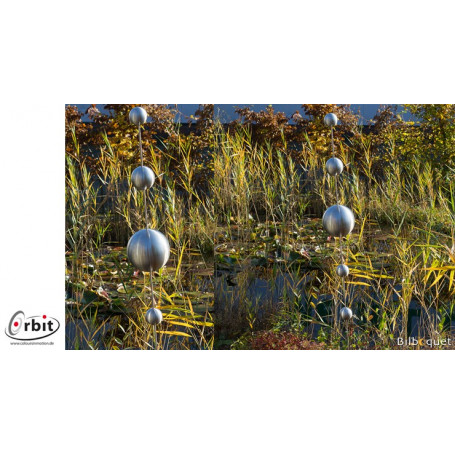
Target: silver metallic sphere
(334, 166)
(138, 116)
(342, 270)
(148, 250)
(346, 314)
(154, 316)
(143, 178)
(331, 120)
(338, 220)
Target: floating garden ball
(154, 316)
(338, 220)
(143, 178)
(342, 270)
(346, 314)
(334, 166)
(138, 116)
(148, 250)
(331, 120)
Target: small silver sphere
(338, 220)
(148, 250)
(342, 270)
(346, 314)
(138, 116)
(331, 120)
(334, 166)
(143, 178)
(154, 316)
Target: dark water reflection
(264, 295)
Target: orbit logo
(32, 328)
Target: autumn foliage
(430, 133)
(270, 340)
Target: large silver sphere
(331, 120)
(338, 220)
(342, 270)
(148, 250)
(346, 314)
(334, 166)
(154, 316)
(138, 116)
(143, 178)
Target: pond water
(235, 295)
(258, 281)
(106, 301)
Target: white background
(54, 53)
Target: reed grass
(252, 210)
(401, 253)
(106, 298)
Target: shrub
(270, 340)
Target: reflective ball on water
(342, 270)
(334, 166)
(154, 316)
(331, 120)
(138, 116)
(346, 314)
(338, 220)
(143, 178)
(148, 250)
